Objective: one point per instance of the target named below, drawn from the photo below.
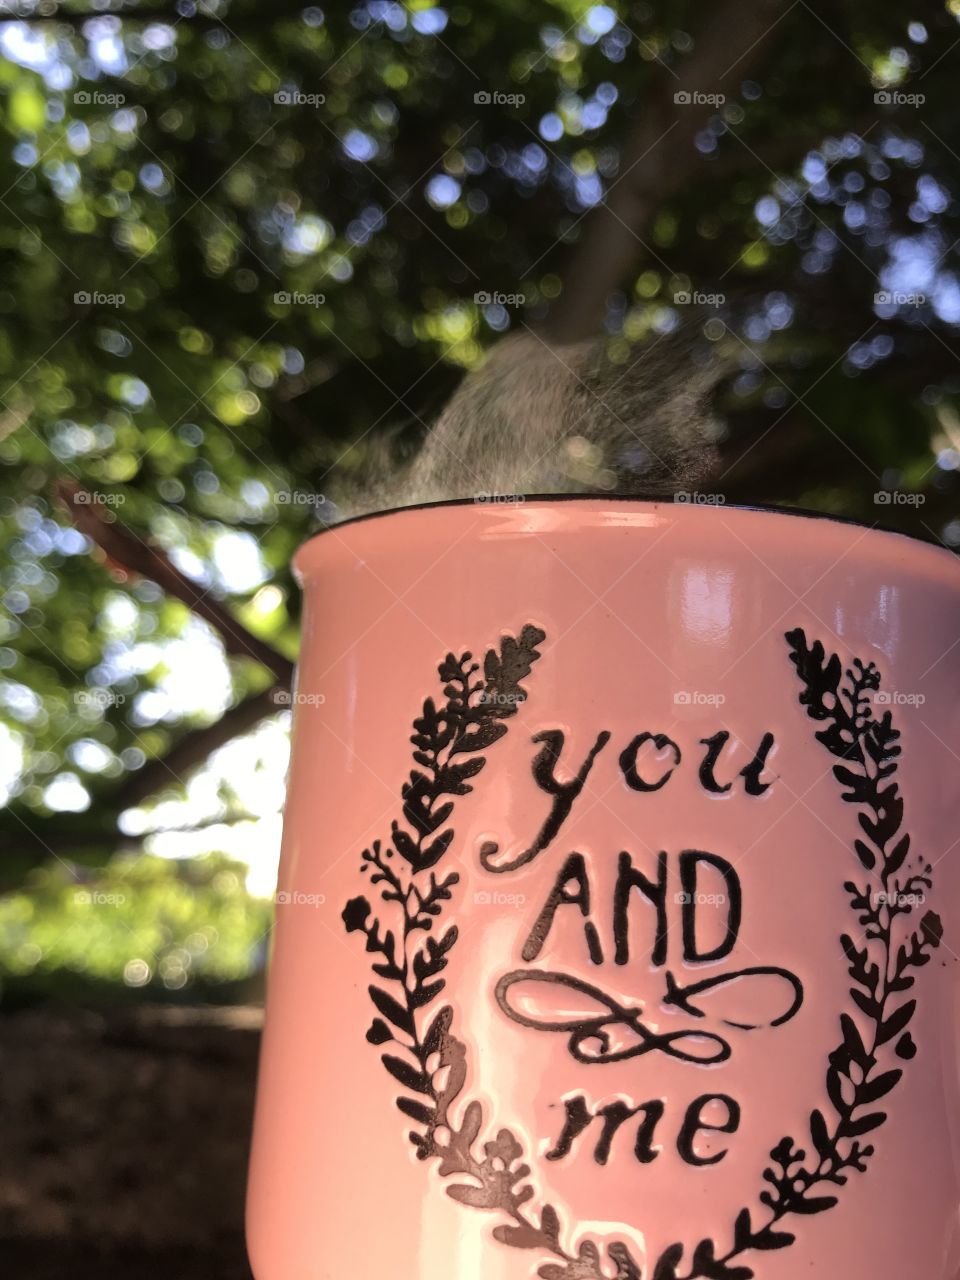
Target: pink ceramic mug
(616, 904)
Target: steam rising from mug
(560, 419)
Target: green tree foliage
(155, 926)
(240, 241)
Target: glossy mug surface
(618, 903)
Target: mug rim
(641, 500)
(648, 499)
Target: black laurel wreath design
(447, 743)
(859, 1072)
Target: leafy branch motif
(448, 741)
(860, 1073)
(881, 965)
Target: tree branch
(658, 159)
(30, 839)
(195, 747)
(131, 554)
(128, 552)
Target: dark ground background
(125, 1142)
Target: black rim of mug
(645, 499)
